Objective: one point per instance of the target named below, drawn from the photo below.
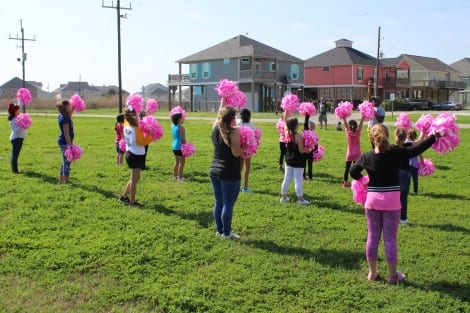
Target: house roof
(239, 46)
(341, 56)
(155, 88)
(75, 86)
(462, 66)
(431, 64)
(17, 83)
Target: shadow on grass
(449, 227)
(204, 218)
(456, 290)
(445, 196)
(53, 180)
(334, 258)
(324, 202)
(442, 167)
(334, 180)
(44, 177)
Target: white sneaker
(231, 236)
(284, 200)
(181, 179)
(218, 234)
(303, 202)
(404, 222)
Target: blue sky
(78, 39)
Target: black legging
(282, 148)
(16, 145)
(346, 170)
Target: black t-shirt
(383, 168)
(224, 164)
(293, 156)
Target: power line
(23, 54)
(119, 16)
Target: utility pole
(23, 54)
(118, 11)
(376, 78)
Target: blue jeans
(16, 145)
(404, 178)
(225, 194)
(65, 167)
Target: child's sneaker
(404, 222)
(346, 184)
(180, 179)
(231, 236)
(248, 190)
(124, 200)
(303, 202)
(284, 200)
(398, 277)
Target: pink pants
(385, 222)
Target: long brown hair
(292, 123)
(378, 136)
(400, 136)
(130, 116)
(61, 107)
(226, 116)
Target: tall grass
(74, 248)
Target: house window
(226, 61)
(206, 70)
(360, 74)
(273, 67)
(258, 66)
(325, 68)
(193, 71)
(245, 61)
(294, 71)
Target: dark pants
(16, 145)
(414, 176)
(346, 170)
(404, 177)
(282, 149)
(308, 165)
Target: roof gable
(76, 86)
(341, 56)
(16, 83)
(430, 64)
(462, 66)
(240, 46)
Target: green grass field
(74, 248)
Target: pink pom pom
(24, 96)
(424, 123)
(359, 189)
(307, 108)
(280, 125)
(319, 154)
(247, 141)
(226, 87)
(367, 110)
(236, 99)
(187, 149)
(135, 102)
(73, 153)
(404, 121)
(310, 139)
(151, 106)
(344, 110)
(258, 133)
(178, 109)
(23, 121)
(78, 105)
(290, 103)
(426, 168)
(150, 127)
(122, 145)
(444, 125)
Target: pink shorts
(384, 201)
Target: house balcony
(391, 82)
(177, 79)
(257, 76)
(439, 84)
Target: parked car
(415, 104)
(447, 106)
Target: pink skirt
(384, 201)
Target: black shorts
(177, 153)
(118, 150)
(135, 160)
